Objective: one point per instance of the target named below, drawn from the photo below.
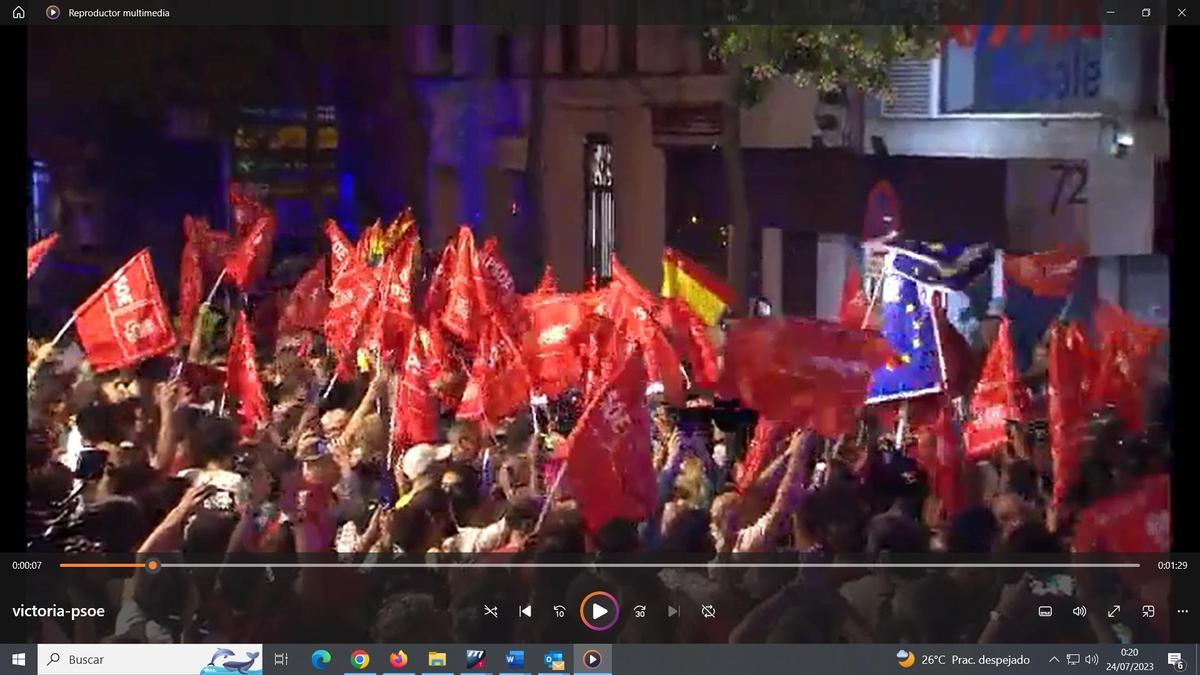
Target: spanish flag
(684, 278)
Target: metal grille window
(598, 207)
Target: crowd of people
(147, 461)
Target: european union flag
(907, 325)
(952, 266)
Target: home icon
(18, 13)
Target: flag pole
(220, 278)
(878, 291)
(41, 359)
(63, 331)
(549, 499)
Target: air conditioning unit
(915, 89)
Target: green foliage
(825, 57)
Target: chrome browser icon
(321, 659)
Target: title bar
(585, 12)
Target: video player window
(340, 355)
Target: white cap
(418, 458)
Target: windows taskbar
(592, 659)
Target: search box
(127, 659)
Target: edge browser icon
(321, 659)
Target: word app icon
(321, 659)
(515, 658)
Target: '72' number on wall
(1071, 187)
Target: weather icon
(906, 659)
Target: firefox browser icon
(321, 659)
(360, 659)
(398, 658)
(905, 658)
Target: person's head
(424, 523)
(562, 532)
(1029, 538)
(97, 423)
(619, 535)
(318, 465)
(407, 617)
(466, 440)
(1012, 512)
(39, 449)
(421, 458)
(973, 531)
(687, 532)
(521, 516)
(460, 482)
(832, 517)
(212, 441)
(118, 523)
(895, 533)
(725, 519)
(370, 441)
(334, 422)
(49, 484)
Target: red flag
(765, 446)
(415, 406)
(339, 247)
(803, 371)
(1069, 390)
(252, 254)
(247, 211)
(369, 248)
(439, 284)
(610, 470)
(394, 318)
(1135, 521)
(689, 335)
(603, 349)
(939, 455)
(499, 383)
(214, 246)
(1126, 346)
(855, 302)
(548, 283)
(498, 292)
(191, 285)
(37, 252)
(241, 378)
(462, 312)
(1046, 274)
(308, 302)
(550, 345)
(998, 398)
(353, 296)
(125, 320)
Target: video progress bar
(650, 565)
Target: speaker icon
(1080, 611)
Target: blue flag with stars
(907, 325)
(952, 266)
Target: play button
(592, 659)
(599, 611)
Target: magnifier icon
(53, 658)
